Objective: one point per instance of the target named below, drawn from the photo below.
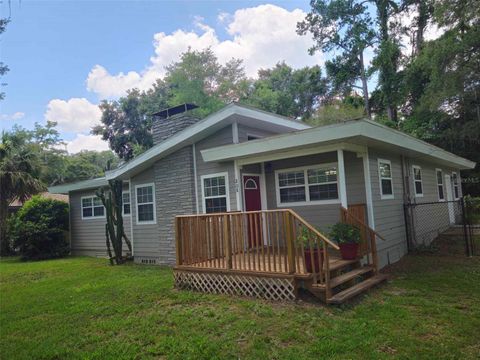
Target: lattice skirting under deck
(269, 288)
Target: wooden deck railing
(268, 241)
(356, 215)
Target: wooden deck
(249, 261)
(270, 254)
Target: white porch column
(238, 185)
(263, 187)
(368, 188)
(342, 178)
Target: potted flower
(348, 238)
(310, 247)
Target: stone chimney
(168, 122)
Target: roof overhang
(357, 132)
(211, 124)
(81, 185)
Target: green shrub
(472, 209)
(345, 233)
(39, 229)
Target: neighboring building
(16, 205)
(241, 158)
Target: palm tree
(19, 171)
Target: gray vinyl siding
(317, 215)
(87, 236)
(145, 236)
(388, 213)
(433, 217)
(221, 137)
(244, 131)
(174, 195)
(354, 178)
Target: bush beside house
(40, 229)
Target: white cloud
(73, 115)
(261, 36)
(86, 142)
(15, 116)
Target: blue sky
(67, 56)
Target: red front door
(253, 202)
(251, 189)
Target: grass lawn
(84, 308)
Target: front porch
(271, 254)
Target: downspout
(131, 215)
(195, 180)
(406, 209)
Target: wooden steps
(345, 277)
(340, 264)
(357, 289)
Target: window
(441, 194)
(385, 175)
(251, 184)
(215, 193)
(92, 207)
(126, 203)
(145, 204)
(455, 185)
(417, 180)
(303, 186)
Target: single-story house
(242, 159)
(17, 204)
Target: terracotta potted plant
(348, 238)
(310, 247)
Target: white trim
(227, 189)
(93, 217)
(235, 132)
(238, 186)
(355, 131)
(455, 197)
(341, 179)
(382, 196)
(130, 203)
(197, 131)
(368, 188)
(131, 220)
(418, 167)
(195, 177)
(80, 185)
(437, 170)
(150, 222)
(307, 201)
(299, 152)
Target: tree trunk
(365, 86)
(4, 246)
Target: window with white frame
(417, 180)
(92, 207)
(126, 203)
(215, 193)
(145, 196)
(456, 191)
(311, 184)
(385, 175)
(440, 191)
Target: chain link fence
(429, 221)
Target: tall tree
(288, 92)
(345, 26)
(19, 173)
(3, 68)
